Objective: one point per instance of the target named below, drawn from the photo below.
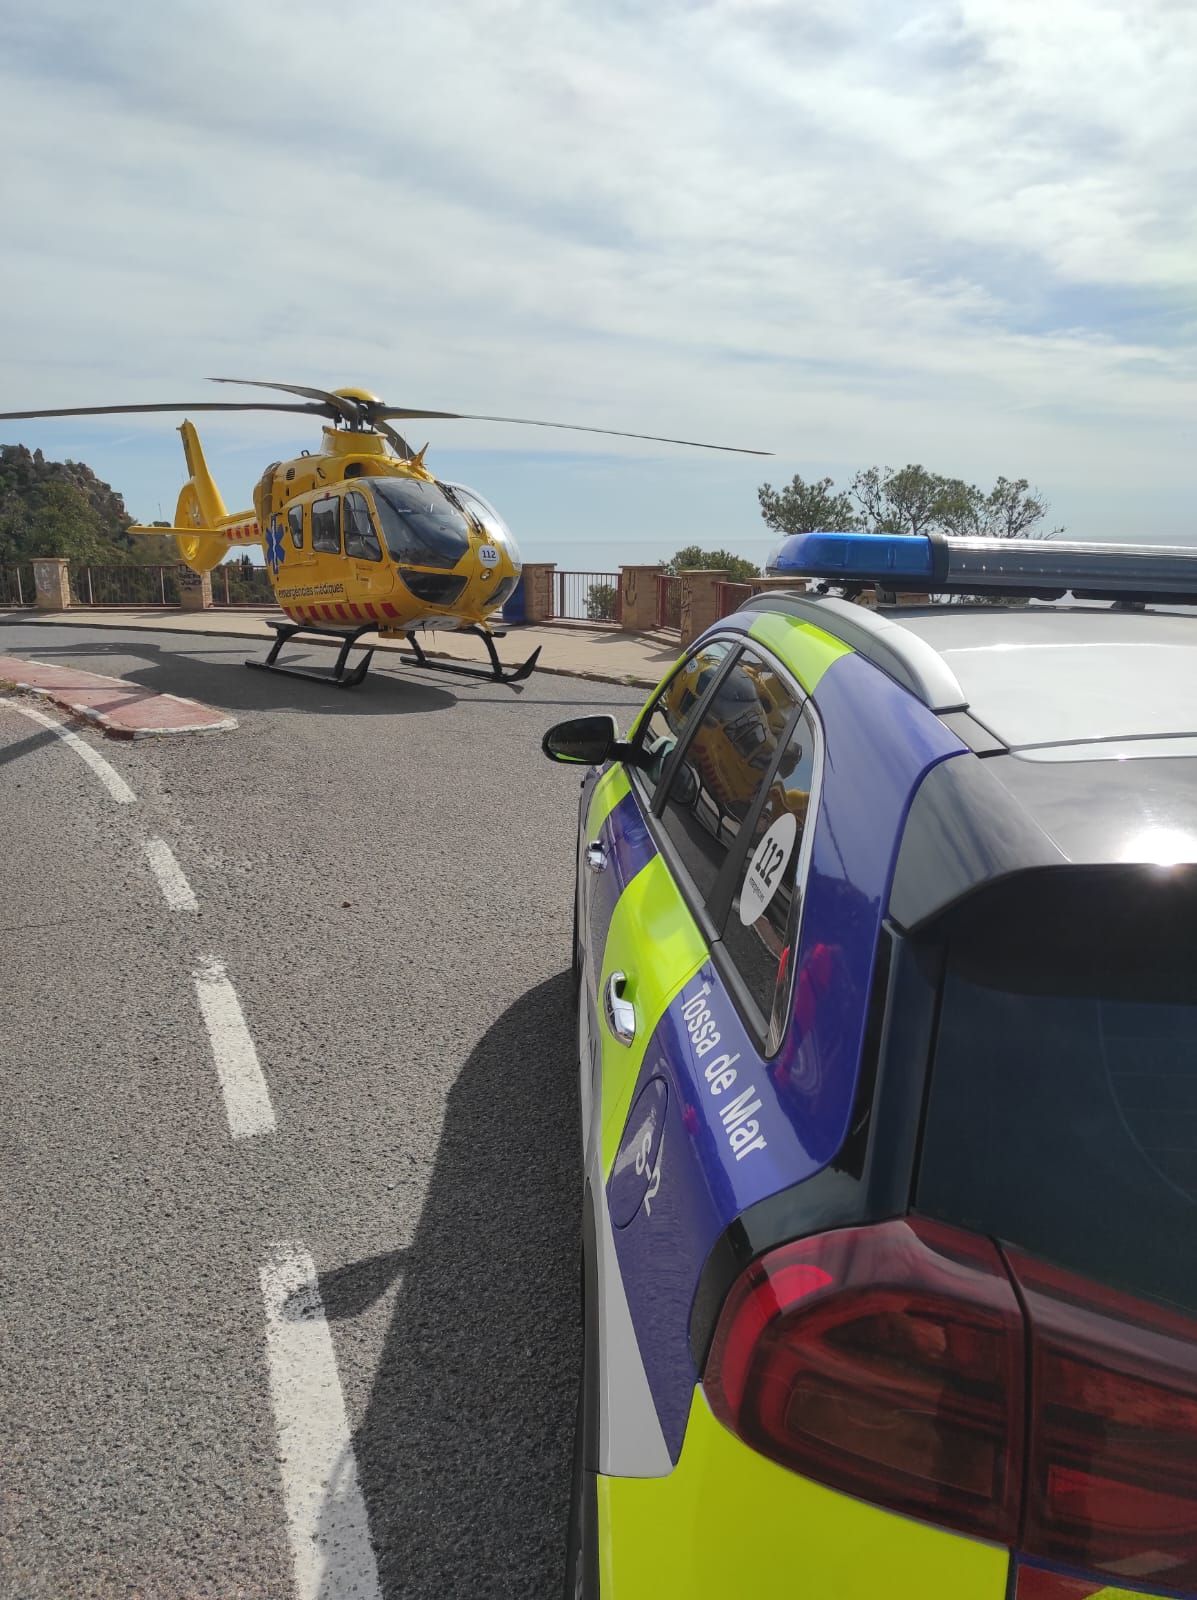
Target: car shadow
(464, 1449)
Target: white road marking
(108, 776)
(326, 1514)
(176, 891)
(246, 1097)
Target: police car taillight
(885, 1361)
(1112, 1467)
(898, 1363)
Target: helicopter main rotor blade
(396, 439)
(343, 407)
(574, 427)
(167, 405)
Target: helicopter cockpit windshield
(487, 518)
(420, 524)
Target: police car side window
(673, 710)
(722, 768)
(761, 925)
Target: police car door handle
(596, 856)
(621, 1013)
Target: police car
(887, 964)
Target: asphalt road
(385, 876)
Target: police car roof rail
(908, 659)
(1047, 569)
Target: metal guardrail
(587, 596)
(124, 586)
(17, 588)
(240, 583)
(669, 602)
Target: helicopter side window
(326, 525)
(295, 523)
(360, 539)
(421, 526)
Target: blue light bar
(1029, 568)
(852, 557)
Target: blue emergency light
(1043, 569)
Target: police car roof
(1051, 682)
(1082, 720)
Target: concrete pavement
(385, 880)
(602, 654)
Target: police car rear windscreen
(1062, 1111)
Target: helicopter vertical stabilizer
(203, 528)
(201, 504)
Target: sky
(961, 233)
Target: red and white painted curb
(120, 709)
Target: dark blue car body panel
(878, 744)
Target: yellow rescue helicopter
(359, 537)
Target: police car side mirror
(585, 741)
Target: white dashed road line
(246, 1097)
(176, 891)
(108, 776)
(326, 1514)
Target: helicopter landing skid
(496, 673)
(340, 679)
(284, 632)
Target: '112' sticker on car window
(767, 868)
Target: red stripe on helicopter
(388, 609)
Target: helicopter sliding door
(372, 578)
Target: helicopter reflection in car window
(721, 771)
(670, 715)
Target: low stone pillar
(700, 602)
(52, 580)
(638, 598)
(195, 589)
(539, 587)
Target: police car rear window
(1062, 1111)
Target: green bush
(602, 602)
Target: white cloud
(964, 233)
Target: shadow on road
(216, 675)
(464, 1450)
(24, 747)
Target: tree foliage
(60, 508)
(602, 602)
(738, 568)
(909, 500)
(803, 507)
